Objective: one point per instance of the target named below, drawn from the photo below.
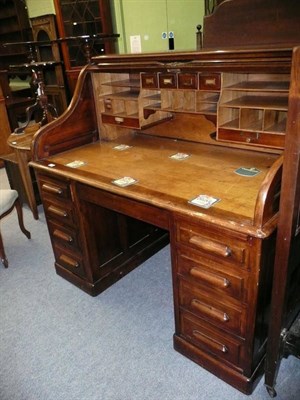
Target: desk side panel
(76, 127)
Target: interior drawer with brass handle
(149, 81)
(129, 122)
(187, 81)
(210, 81)
(167, 81)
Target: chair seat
(7, 199)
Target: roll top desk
(181, 148)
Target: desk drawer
(68, 260)
(60, 211)
(252, 138)
(219, 245)
(212, 275)
(129, 122)
(187, 81)
(209, 81)
(64, 236)
(212, 309)
(210, 340)
(54, 188)
(149, 81)
(167, 81)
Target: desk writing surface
(209, 170)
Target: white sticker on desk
(180, 156)
(125, 181)
(204, 201)
(75, 164)
(122, 147)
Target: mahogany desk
(234, 104)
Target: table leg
(23, 159)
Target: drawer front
(252, 138)
(209, 81)
(216, 244)
(54, 188)
(211, 275)
(64, 236)
(187, 81)
(120, 121)
(168, 81)
(211, 341)
(149, 81)
(226, 316)
(70, 261)
(63, 212)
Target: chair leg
(2, 253)
(20, 218)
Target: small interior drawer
(121, 120)
(149, 81)
(252, 138)
(167, 81)
(187, 81)
(209, 81)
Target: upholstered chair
(8, 200)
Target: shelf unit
(182, 92)
(44, 30)
(78, 18)
(253, 109)
(14, 27)
(139, 101)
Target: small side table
(21, 143)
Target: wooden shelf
(128, 95)
(266, 102)
(266, 86)
(124, 83)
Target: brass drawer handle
(210, 81)
(58, 211)
(149, 81)
(209, 310)
(63, 236)
(167, 81)
(210, 278)
(213, 247)
(119, 120)
(52, 189)
(69, 261)
(188, 83)
(210, 342)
